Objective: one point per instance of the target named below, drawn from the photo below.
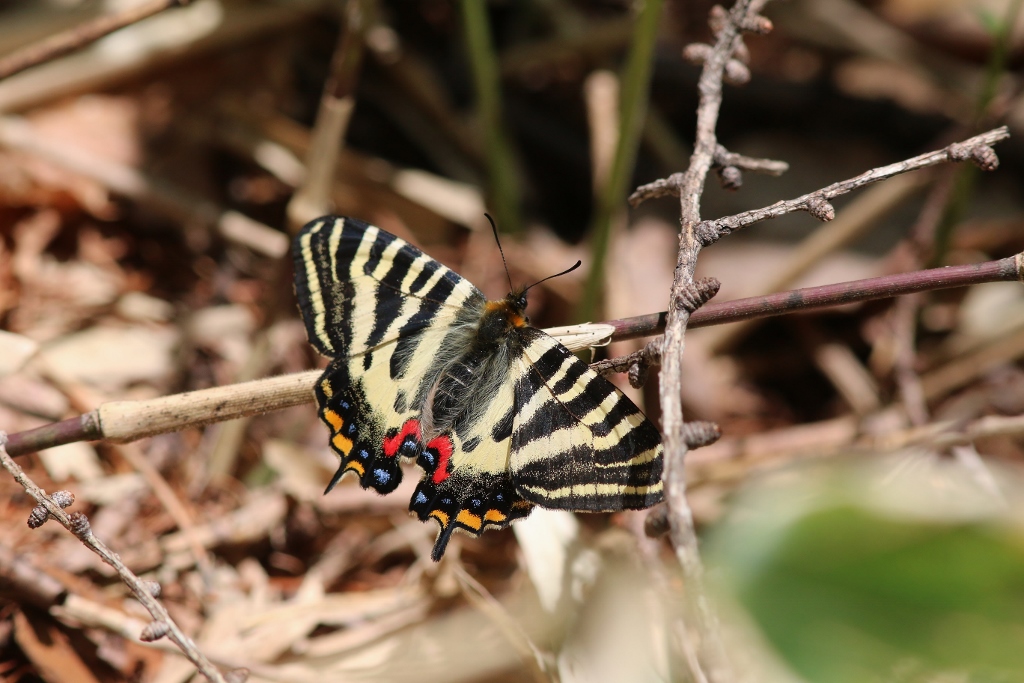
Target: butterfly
(499, 415)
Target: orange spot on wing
(469, 519)
(439, 516)
(342, 443)
(495, 516)
(333, 419)
(356, 467)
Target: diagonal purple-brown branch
(79, 36)
(1008, 269)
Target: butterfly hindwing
(468, 485)
(578, 443)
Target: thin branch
(78, 37)
(724, 157)
(977, 149)
(827, 296)
(78, 524)
(722, 63)
(745, 15)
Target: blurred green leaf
(989, 21)
(849, 591)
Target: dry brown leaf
(101, 125)
(49, 648)
(15, 350)
(113, 356)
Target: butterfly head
(502, 316)
(516, 302)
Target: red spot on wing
(442, 445)
(394, 442)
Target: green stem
(503, 192)
(632, 109)
(967, 175)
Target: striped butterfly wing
(468, 486)
(395, 323)
(577, 442)
(379, 308)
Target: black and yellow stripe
(577, 442)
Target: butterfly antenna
(564, 272)
(500, 251)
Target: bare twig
(743, 16)
(78, 37)
(977, 149)
(857, 218)
(826, 296)
(722, 62)
(724, 157)
(78, 524)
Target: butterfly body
(499, 416)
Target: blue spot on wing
(382, 476)
(420, 498)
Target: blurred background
(862, 508)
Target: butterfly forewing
(359, 287)
(496, 424)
